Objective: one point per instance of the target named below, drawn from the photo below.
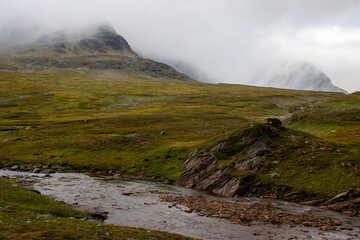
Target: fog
(218, 40)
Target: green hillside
(115, 124)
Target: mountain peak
(99, 49)
(296, 75)
(105, 28)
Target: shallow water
(136, 204)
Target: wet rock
(248, 214)
(48, 171)
(24, 168)
(15, 167)
(37, 170)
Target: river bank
(169, 208)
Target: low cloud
(226, 40)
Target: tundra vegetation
(145, 127)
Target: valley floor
(68, 122)
(168, 208)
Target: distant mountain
(100, 49)
(296, 75)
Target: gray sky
(225, 39)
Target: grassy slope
(31, 216)
(319, 153)
(115, 124)
(329, 162)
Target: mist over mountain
(192, 71)
(295, 75)
(98, 49)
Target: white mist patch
(295, 75)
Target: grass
(331, 161)
(28, 215)
(114, 124)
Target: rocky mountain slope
(296, 75)
(99, 50)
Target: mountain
(296, 75)
(100, 49)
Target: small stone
(9, 208)
(24, 168)
(48, 171)
(36, 170)
(307, 224)
(15, 167)
(336, 223)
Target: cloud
(225, 39)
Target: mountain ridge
(101, 50)
(296, 75)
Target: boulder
(275, 122)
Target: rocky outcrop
(230, 166)
(255, 160)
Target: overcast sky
(225, 39)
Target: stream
(135, 203)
